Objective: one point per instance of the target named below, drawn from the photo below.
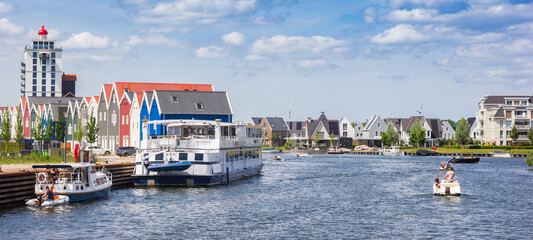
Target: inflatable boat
(58, 200)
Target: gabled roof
(120, 87)
(97, 99)
(436, 127)
(256, 120)
(397, 122)
(277, 124)
(23, 103)
(87, 100)
(128, 96)
(107, 92)
(311, 127)
(412, 120)
(500, 113)
(197, 103)
(470, 121)
(148, 96)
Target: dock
(16, 187)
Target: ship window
(225, 131)
(199, 156)
(183, 156)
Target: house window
(34, 54)
(199, 106)
(344, 126)
(100, 116)
(34, 61)
(53, 54)
(379, 125)
(105, 116)
(427, 133)
(501, 134)
(174, 98)
(127, 120)
(508, 124)
(501, 124)
(520, 114)
(122, 120)
(523, 103)
(508, 133)
(508, 103)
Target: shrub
(529, 160)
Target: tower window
(34, 74)
(44, 68)
(34, 81)
(44, 75)
(53, 82)
(53, 68)
(53, 62)
(52, 47)
(34, 88)
(53, 89)
(43, 61)
(43, 82)
(44, 88)
(53, 75)
(34, 61)
(34, 54)
(53, 55)
(34, 68)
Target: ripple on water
(318, 197)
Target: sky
(353, 59)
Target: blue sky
(350, 59)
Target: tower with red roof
(42, 68)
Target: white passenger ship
(198, 153)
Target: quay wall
(445, 154)
(16, 187)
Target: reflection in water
(318, 197)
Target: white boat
(58, 200)
(215, 153)
(392, 151)
(447, 188)
(501, 154)
(78, 181)
(277, 158)
(302, 154)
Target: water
(317, 197)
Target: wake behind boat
(197, 153)
(78, 181)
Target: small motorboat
(392, 151)
(335, 151)
(462, 159)
(171, 166)
(423, 152)
(501, 154)
(58, 200)
(277, 158)
(302, 154)
(447, 189)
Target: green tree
(331, 139)
(59, 133)
(6, 127)
(275, 139)
(365, 123)
(417, 135)
(530, 136)
(390, 137)
(529, 160)
(78, 133)
(353, 124)
(19, 136)
(49, 131)
(37, 131)
(92, 130)
(514, 133)
(462, 131)
(317, 138)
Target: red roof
(23, 102)
(144, 86)
(87, 99)
(69, 77)
(3, 108)
(42, 31)
(96, 98)
(107, 92)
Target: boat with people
(302, 154)
(335, 151)
(424, 152)
(77, 181)
(197, 153)
(58, 200)
(464, 159)
(277, 158)
(392, 151)
(501, 154)
(444, 166)
(447, 188)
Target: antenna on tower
(290, 110)
(420, 110)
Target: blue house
(174, 105)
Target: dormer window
(199, 106)
(508, 102)
(174, 98)
(523, 103)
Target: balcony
(23, 78)
(23, 70)
(22, 84)
(22, 64)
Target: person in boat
(53, 175)
(437, 181)
(450, 175)
(49, 195)
(442, 164)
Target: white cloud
(400, 34)
(210, 52)
(8, 28)
(297, 47)
(311, 63)
(86, 40)
(234, 38)
(151, 40)
(195, 12)
(418, 14)
(6, 7)
(370, 15)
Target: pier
(15, 187)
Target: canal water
(316, 197)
